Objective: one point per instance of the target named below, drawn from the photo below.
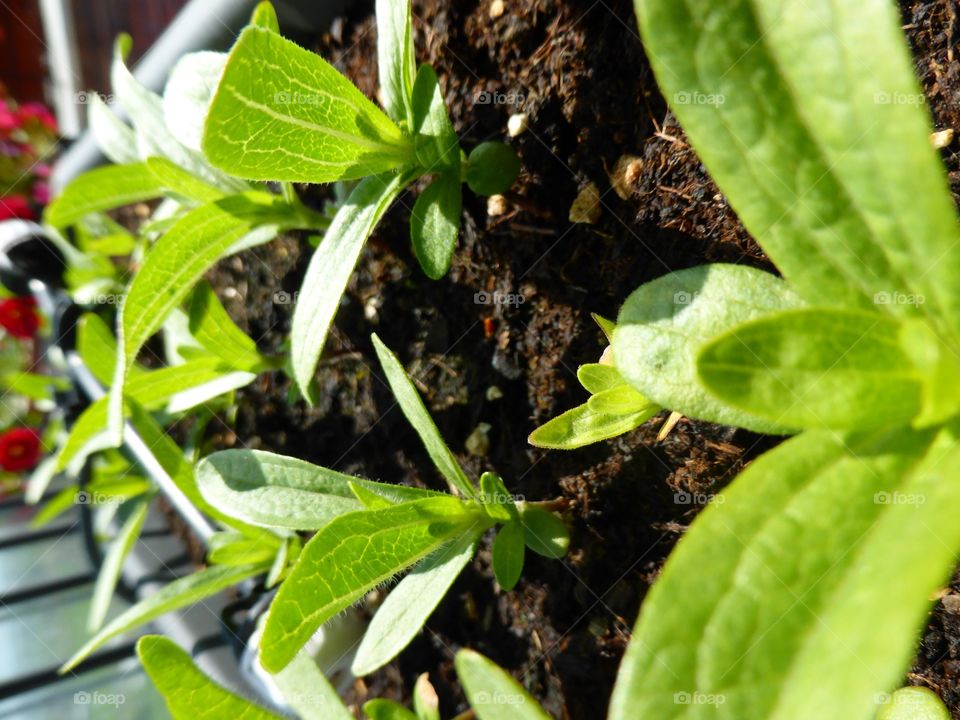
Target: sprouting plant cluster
(770, 606)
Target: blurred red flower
(38, 112)
(18, 316)
(9, 120)
(15, 206)
(19, 449)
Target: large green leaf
(103, 188)
(820, 560)
(408, 606)
(284, 113)
(492, 693)
(283, 492)
(330, 268)
(816, 368)
(416, 413)
(352, 554)
(810, 119)
(664, 323)
(188, 692)
(395, 57)
(186, 591)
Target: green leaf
(508, 552)
(188, 94)
(416, 413)
(380, 709)
(606, 326)
(913, 703)
(395, 57)
(308, 692)
(54, 507)
(664, 323)
(595, 377)
(491, 168)
(544, 532)
(287, 553)
(492, 693)
(621, 400)
(408, 606)
(215, 330)
(583, 426)
(103, 188)
(234, 548)
(810, 119)
(265, 16)
(496, 499)
(177, 181)
(436, 142)
(177, 594)
(435, 225)
(271, 490)
(283, 113)
(368, 499)
(33, 386)
(114, 137)
(816, 368)
(188, 692)
(426, 704)
(776, 632)
(112, 565)
(330, 268)
(176, 262)
(350, 555)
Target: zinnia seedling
(368, 532)
(282, 113)
(855, 351)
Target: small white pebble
(586, 207)
(497, 8)
(497, 205)
(516, 124)
(478, 443)
(941, 138)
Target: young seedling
(190, 693)
(281, 113)
(205, 214)
(856, 350)
(368, 532)
(614, 407)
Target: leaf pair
(614, 408)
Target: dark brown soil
(579, 72)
